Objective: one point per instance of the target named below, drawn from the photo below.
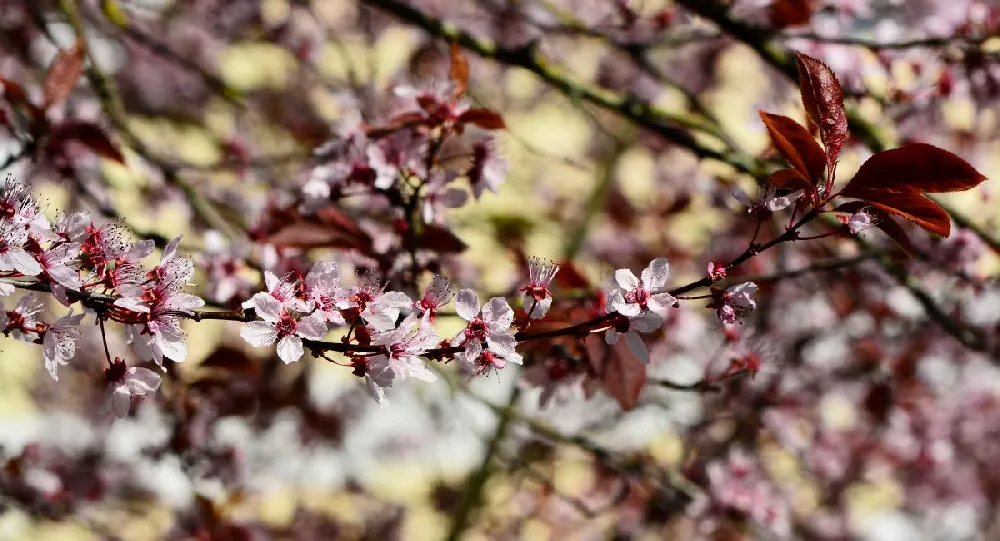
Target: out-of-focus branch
(112, 104)
(473, 493)
(671, 126)
(777, 56)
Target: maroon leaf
(796, 144)
(327, 228)
(441, 240)
(484, 118)
(824, 102)
(623, 378)
(786, 13)
(15, 95)
(87, 134)
(917, 167)
(459, 72)
(914, 207)
(64, 73)
(789, 179)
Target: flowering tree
(636, 299)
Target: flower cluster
(433, 139)
(95, 265)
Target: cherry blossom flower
(738, 483)
(322, 291)
(716, 271)
(59, 343)
(636, 295)
(489, 168)
(769, 202)
(72, 227)
(369, 300)
(437, 294)
(156, 333)
(645, 322)
(172, 269)
(126, 383)
(279, 324)
(436, 103)
(13, 256)
(59, 264)
(439, 195)
(280, 289)
(735, 302)
(861, 220)
(476, 360)
(536, 297)
(128, 270)
(491, 326)
(222, 264)
(403, 347)
(22, 322)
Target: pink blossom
(636, 295)
(281, 325)
(59, 343)
(157, 333)
(438, 196)
(403, 347)
(491, 326)
(370, 301)
(489, 168)
(322, 291)
(126, 383)
(769, 202)
(13, 256)
(860, 221)
(645, 322)
(536, 297)
(59, 264)
(222, 265)
(22, 322)
(437, 294)
(476, 360)
(735, 302)
(281, 290)
(173, 270)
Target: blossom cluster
(432, 138)
(96, 265)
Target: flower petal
(626, 279)
(467, 304)
(259, 333)
(290, 349)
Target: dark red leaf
(786, 13)
(789, 179)
(917, 167)
(914, 207)
(15, 95)
(894, 231)
(484, 118)
(571, 277)
(796, 144)
(327, 228)
(64, 73)
(441, 240)
(623, 378)
(824, 102)
(459, 73)
(89, 135)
